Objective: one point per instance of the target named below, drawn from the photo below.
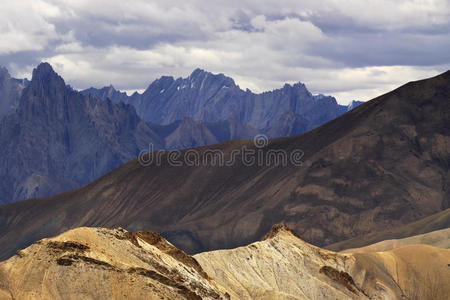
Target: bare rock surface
(95, 263)
(285, 267)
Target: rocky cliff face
(10, 92)
(59, 139)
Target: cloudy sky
(351, 49)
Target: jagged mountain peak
(44, 69)
(199, 80)
(278, 229)
(200, 74)
(298, 89)
(109, 89)
(298, 85)
(160, 84)
(46, 80)
(166, 78)
(107, 92)
(209, 97)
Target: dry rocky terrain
(97, 263)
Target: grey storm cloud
(350, 49)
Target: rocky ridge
(212, 98)
(99, 263)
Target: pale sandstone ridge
(438, 238)
(283, 266)
(434, 222)
(97, 263)
(94, 263)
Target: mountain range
(54, 138)
(370, 189)
(382, 165)
(208, 97)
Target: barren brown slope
(384, 164)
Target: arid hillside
(98, 263)
(429, 224)
(438, 238)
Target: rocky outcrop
(98, 263)
(285, 267)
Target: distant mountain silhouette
(208, 97)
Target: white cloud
(348, 48)
(28, 31)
